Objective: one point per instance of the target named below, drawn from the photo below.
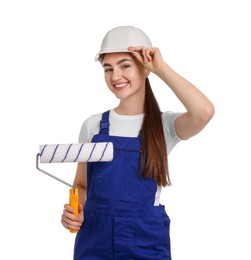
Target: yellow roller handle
(74, 204)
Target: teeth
(121, 85)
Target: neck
(130, 111)
(132, 105)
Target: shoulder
(89, 127)
(93, 120)
(168, 119)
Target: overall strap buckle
(104, 123)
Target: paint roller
(79, 152)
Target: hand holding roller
(80, 152)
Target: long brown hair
(154, 162)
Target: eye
(107, 70)
(125, 66)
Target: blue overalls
(120, 221)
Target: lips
(120, 85)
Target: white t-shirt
(129, 126)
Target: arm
(69, 220)
(199, 108)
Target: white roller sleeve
(81, 152)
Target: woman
(120, 214)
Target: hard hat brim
(97, 57)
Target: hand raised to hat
(149, 57)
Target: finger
(71, 225)
(140, 50)
(138, 56)
(68, 208)
(71, 221)
(135, 48)
(148, 53)
(145, 53)
(68, 216)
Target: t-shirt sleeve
(89, 128)
(168, 119)
(83, 135)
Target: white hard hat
(120, 38)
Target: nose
(116, 74)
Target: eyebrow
(117, 63)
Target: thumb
(80, 208)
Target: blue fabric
(120, 221)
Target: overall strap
(104, 123)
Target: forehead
(117, 56)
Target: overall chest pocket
(117, 181)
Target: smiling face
(125, 76)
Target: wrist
(163, 71)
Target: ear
(146, 72)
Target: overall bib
(120, 221)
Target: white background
(50, 83)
